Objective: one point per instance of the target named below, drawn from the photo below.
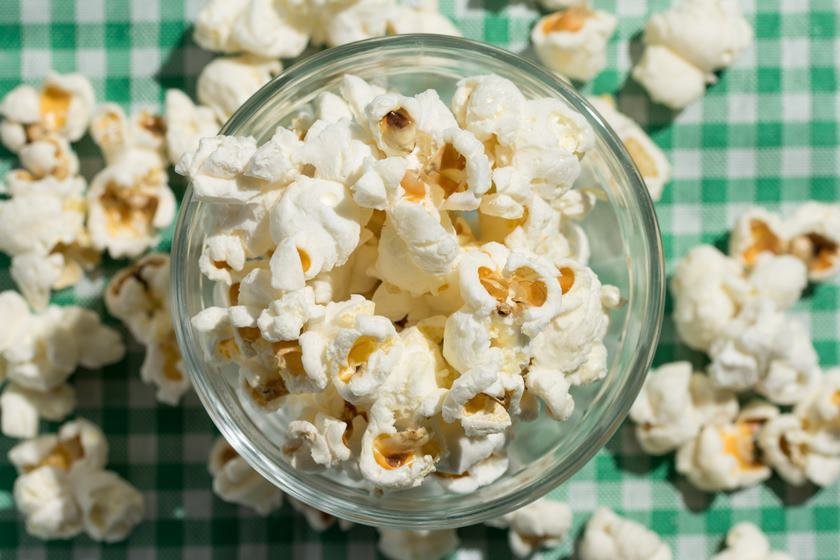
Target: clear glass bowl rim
(284, 476)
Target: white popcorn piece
(186, 124)
(709, 34)
(62, 105)
(22, 408)
(673, 405)
(461, 169)
(138, 295)
(44, 497)
(489, 106)
(214, 24)
(35, 274)
(821, 407)
(724, 456)
(814, 231)
(420, 17)
(648, 157)
(757, 232)
(111, 507)
(312, 447)
(316, 226)
(553, 5)
(129, 202)
(402, 544)
(285, 317)
(335, 151)
(479, 414)
(39, 221)
(573, 42)
(543, 523)
(269, 29)
(780, 279)
(795, 453)
(761, 348)
(708, 290)
(480, 474)
(78, 447)
(358, 94)
(745, 541)
(227, 82)
(218, 170)
(611, 537)
(235, 481)
(331, 108)
(318, 520)
(668, 78)
(49, 155)
(356, 21)
(279, 160)
(117, 134)
(163, 368)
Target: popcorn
(214, 24)
(50, 155)
(111, 507)
(480, 474)
(814, 231)
(236, 482)
(401, 544)
(762, 349)
(318, 520)
(186, 124)
(44, 498)
(708, 290)
(668, 78)
(479, 414)
(227, 82)
(38, 222)
(335, 151)
(648, 157)
(358, 94)
(129, 202)
(62, 106)
(117, 135)
(745, 541)
(540, 524)
(22, 408)
(357, 21)
(779, 279)
(674, 404)
(610, 537)
(489, 106)
(724, 456)
(420, 17)
(78, 447)
(572, 42)
(35, 274)
(757, 232)
(795, 453)
(269, 30)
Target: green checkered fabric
(766, 133)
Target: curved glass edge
(314, 494)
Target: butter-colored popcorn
(111, 507)
(814, 230)
(489, 107)
(611, 537)
(724, 456)
(117, 134)
(648, 157)
(757, 232)
(404, 544)
(674, 404)
(420, 17)
(318, 520)
(795, 452)
(745, 541)
(707, 33)
(668, 78)
(316, 226)
(62, 105)
(186, 124)
(22, 408)
(821, 407)
(78, 447)
(573, 42)
(479, 413)
(129, 203)
(761, 348)
(49, 155)
(708, 290)
(227, 82)
(45, 498)
(543, 523)
(235, 481)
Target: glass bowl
(625, 251)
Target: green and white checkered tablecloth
(766, 133)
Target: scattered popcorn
(561, 4)
(22, 408)
(674, 404)
(543, 523)
(648, 157)
(724, 456)
(318, 520)
(63, 488)
(745, 541)
(49, 155)
(227, 82)
(62, 106)
(610, 537)
(400, 544)
(573, 42)
(793, 448)
(780, 279)
(761, 348)
(118, 135)
(685, 45)
(361, 300)
(757, 232)
(235, 481)
(186, 124)
(138, 295)
(420, 16)
(814, 230)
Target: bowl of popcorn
(417, 281)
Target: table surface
(766, 133)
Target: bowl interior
(625, 251)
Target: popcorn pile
(358, 301)
(732, 307)
(63, 488)
(684, 47)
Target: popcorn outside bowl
(625, 251)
